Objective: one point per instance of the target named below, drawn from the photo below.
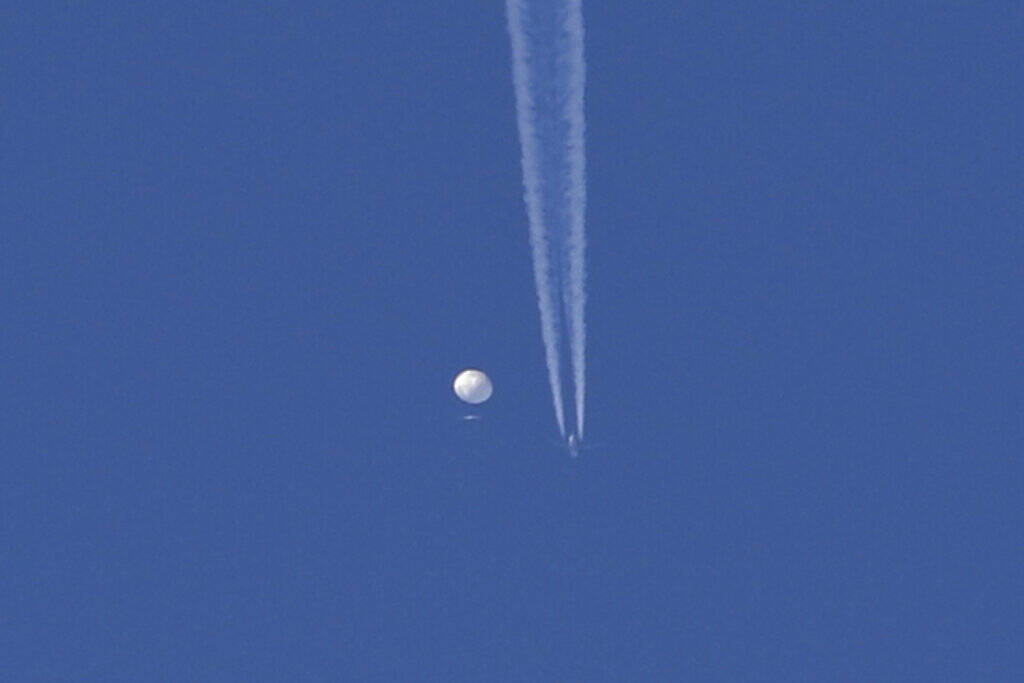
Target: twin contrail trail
(548, 73)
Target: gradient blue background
(244, 247)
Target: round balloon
(472, 386)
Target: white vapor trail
(548, 73)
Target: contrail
(548, 73)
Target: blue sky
(246, 247)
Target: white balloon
(472, 386)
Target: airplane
(575, 445)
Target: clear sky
(244, 248)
